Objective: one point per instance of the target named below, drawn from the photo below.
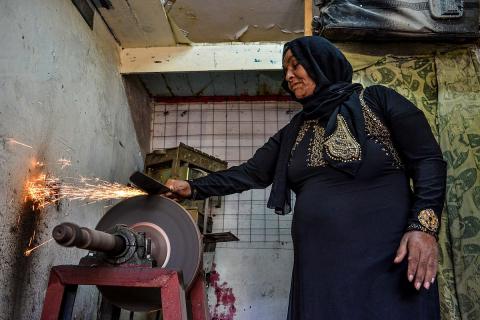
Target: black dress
(345, 229)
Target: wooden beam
(203, 57)
(308, 17)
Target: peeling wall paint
(224, 306)
(248, 20)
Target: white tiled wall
(231, 131)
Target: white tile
(183, 115)
(182, 129)
(258, 114)
(219, 153)
(220, 127)
(194, 115)
(245, 140)
(271, 224)
(219, 115)
(232, 163)
(182, 139)
(271, 104)
(233, 140)
(258, 194)
(159, 108)
(232, 197)
(286, 237)
(245, 128)
(229, 223)
(285, 224)
(233, 115)
(220, 141)
(158, 143)
(170, 129)
(258, 238)
(259, 140)
(207, 115)
(244, 105)
(283, 116)
(246, 115)
(231, 206)
(245, 153)
(271, 128)
(258, 208)
(207, 149)
(232, 153)
(207, 140)
(170, 142)
(258, 128)
(194, 129)
(159, 117)
(158, 130)
(246, 195)
(183, 107)
(245, 207)
(207, 128)
(271, 114)
(194, 141)
(233, 127)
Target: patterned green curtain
(446, 88)
(458, 77)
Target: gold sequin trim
(376, 130)
(341, 144)
(428, 219)
(315, 146)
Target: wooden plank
(308, 17)
(203, 57)
(139, 23)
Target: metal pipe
(70, 235)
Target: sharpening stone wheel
(176, 245)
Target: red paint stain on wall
(225, 305)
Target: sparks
(64, 162)
(13, 141)
(28, 252)
(46, 190)
(42, 191)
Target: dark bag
(394, 19)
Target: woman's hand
(422, 251)
(179, 189)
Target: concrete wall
(61, 94)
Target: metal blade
(148, 184)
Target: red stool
(64, 280)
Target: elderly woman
(364, 241)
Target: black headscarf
(334, 94)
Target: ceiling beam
(233, 56)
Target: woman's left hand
(422, 251)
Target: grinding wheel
(176, 245)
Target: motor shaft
(70, 235)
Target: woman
(364, 242)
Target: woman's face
(298, 80)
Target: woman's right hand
(179, 189)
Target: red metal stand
(64, 280)
(198, 298)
